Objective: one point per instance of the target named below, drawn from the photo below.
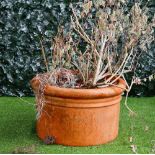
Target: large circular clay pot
(80, 117)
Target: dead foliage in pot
(104, 43)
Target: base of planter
(85, 126)
(80, 145)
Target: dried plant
(43, 79)
(62, 77)
(113, 43)
(104, 43)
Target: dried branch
(103, 42)
(44, 57)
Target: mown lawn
(17, 129)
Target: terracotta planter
(80, 117)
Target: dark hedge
(22, 24)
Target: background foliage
(23, 23)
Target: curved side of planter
(80, 117)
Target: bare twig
(126, 98)
(44, 57)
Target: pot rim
(55, 91)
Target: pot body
(79, 120)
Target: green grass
(17, 129)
